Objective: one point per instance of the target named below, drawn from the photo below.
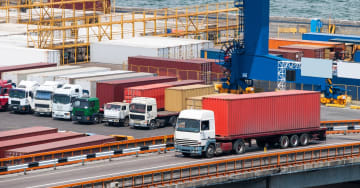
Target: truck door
(205, 129)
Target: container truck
(63, 99)
(21, 98)
(227, 122)
(43, 97)
(86, 110)
(5, 87)
(116, 113)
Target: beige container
(196, 102)
(175, 97)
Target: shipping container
(310, 51)
(113, 91)
(26, 132)
(69, 79)
(60, 145)
(90, 84)
(260, 113)
(35, 140)
(156, 91)
(196, 102)
(212, 53)
(177, 48)
(24, 67)
(287, 54)
(175, 97)
(328, 36)
(87, 6)
(275, 43)
(41, 78)
(17, 76)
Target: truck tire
(152, 125)
(239, 146)
(210, 151)
(284, 142)
(304, 139)
(126, 122)
(294, 140)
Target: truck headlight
(88, 118)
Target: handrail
(229, 166)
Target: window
(5, 90)
(31, 94)
(123, 108)
(76, 90)
(205, 126)
(149, 108)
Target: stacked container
(287, 54)
(26, 132)
(175, 97)
(24, 67)
(196, 102)
(275, 43)
(70, 79)
(311, 51)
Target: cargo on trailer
(113, 91)
(60, 145)
(50, 76)
(24, 67)
(36, 140)
(70, 79)
(26, 132)
(196, 102)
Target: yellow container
(175, 97)
(196, 102)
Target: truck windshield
(62, 99)
(15, 93)
(43, 95)
(113, 107)
(137, 108)
(81, 104)
(188, 125)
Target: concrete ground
(16, 121)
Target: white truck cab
(116, 113)
(43, 97)
(62, 100)
(195, 130)
(21, 98)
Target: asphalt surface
(16, 121)
(129, 165)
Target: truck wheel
(239, 147)
(126, 122)
(284, 142)
(96, 120)
(294, 140)
(304, 139)
(152, 125)
(210, 151)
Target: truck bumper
(61, 115)
(19, 108)
(138, 124)
(83, 119)
(43, 111)
(189, 149)
(112, 120)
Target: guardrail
(11, 161)
(227, 167)
(340, 123)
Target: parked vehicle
(87, 110)
(144, 113)
(63, 98)
(43, 97)
(21, 98)
(116, 113)
(286, 118)
(5, 87)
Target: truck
(5, 87)
(227, 122)
(21, 98)
(86, 110)
(144, 113)
(116, 113)
(63, 99)
(43, 97)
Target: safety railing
(227, 167)
(340, 123)
(86, 150)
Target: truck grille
(42, 106)
(137, 117)
(184, 142)
(15, 102)
(79, 113)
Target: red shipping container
(260, 113)
(113, 91)
(26, 132)
(89, 6)
(156, 91)
(26, 66)
(310, 51)
(288, 54)
(60, 145)
(35, 140)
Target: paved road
(121, 166)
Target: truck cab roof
(69, 89)
(144, 100)
(118, 103)
(27, 85)
(197, 114)
(88, 99)
(49, 86)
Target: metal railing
(228, 167)
(340, 123)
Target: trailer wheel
(126, 122)
(294, 140)
(239, 147)
(284, 142)
(304, 139)
(210, 151)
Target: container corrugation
(196, 102)
(69, 79)
(113, 91)
(310, 51)
(264, 112)
(60, 145)
(24, 67)
(26, 132)
(275, 43)
(35, 140)
(156, 91)
(287, 54)
(175, 97)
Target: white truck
(43, 97)
(144, 113)
(62, 101)
(21, 98)
(116, 113)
